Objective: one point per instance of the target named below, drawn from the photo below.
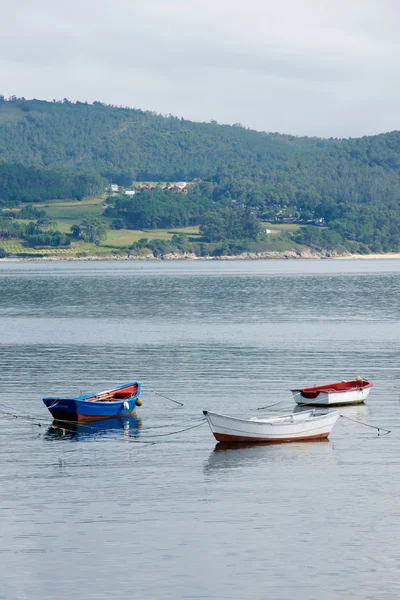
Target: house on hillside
(129, 193)
(114, 187)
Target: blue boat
(118, 402)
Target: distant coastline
(286, 255)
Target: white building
(114, 187)
(130, 192)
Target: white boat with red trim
(304, 426)
(334, 394)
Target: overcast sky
(306, 67)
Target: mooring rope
(38, 423)
(271, 405)
(379, 429)
(24, 417)
(180, 430)
(366, 424)
(166, 397)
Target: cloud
(327, 67)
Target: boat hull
(237, 439)
(82, 412)
(120, 402)
(307, 426)
(332, 399)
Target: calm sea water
(152, 509)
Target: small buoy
(138, 402)
(126, 404)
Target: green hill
(344, 192)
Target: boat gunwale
(330, 388)
(91, 401)
(85, 398)
(277, 421)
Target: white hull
(336, 399)
(304, 426)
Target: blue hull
(84, 408)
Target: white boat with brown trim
(334, 394)
(305, 426)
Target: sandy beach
(375, 256)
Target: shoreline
(286, 255)
(387, 255)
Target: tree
(230, 224)
(75, 231)
(93, 230)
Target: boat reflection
(224, 446)
(128, 426)
(360, 410)
(227, 457)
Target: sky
(326, 68)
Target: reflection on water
(171, 519)
(226, 457)
(360, 410)
(355, 410)
(128, 426)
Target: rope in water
(167, 397)
(366, 424)
(271, 405)
(180, 430)
(24, 417)
(379, 429)
(37, 422)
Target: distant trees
(318, 238)
(47, 238)
(154, 209)
(90, 229)
(29, 212)
(20, 183)
(10, 229)
(230, 224)
(34, 233)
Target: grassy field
(126, 237)
(274, 227)
(68, 213)
(16, 247)
(73, 211)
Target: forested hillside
(19, 183)
(350, 188)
